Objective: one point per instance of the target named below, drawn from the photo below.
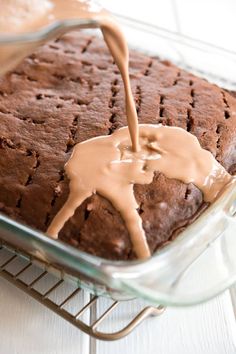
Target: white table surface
(26, 327)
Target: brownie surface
(71, 90)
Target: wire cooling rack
(35, 280)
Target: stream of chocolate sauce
(111, 165)
(117, 45)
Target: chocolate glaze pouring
(117, 44)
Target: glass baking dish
(200, 263)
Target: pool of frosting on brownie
(107, 165)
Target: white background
(27, 328)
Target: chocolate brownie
(71, 90)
